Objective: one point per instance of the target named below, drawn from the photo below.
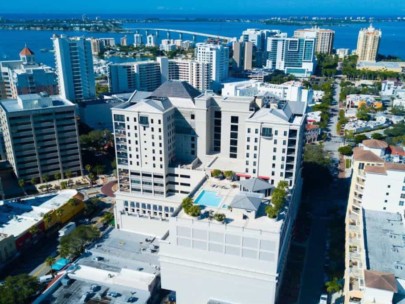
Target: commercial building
(217, 56)
(41, 136)
(24, 221)
(374, 226)
(259, 40)
(26, 76)
(292, 55)
(151, 40)
(74, 65)
(368, 43)
(122, 267)
(324, 38)
(168, 145)
(398, 67)
(290, 91)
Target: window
(388, 186)
(275, 141)
(248, 130)
(256, 131)
(267, 132)
(192, 116)
(274, 149)
(248, 139)
(403, 188)
(401, 203)
(234, 119)
(143, 120)
(403, 195)
(275, 132)
(274, 157)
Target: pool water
(208, 199)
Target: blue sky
(221, 7)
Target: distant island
(116, 24)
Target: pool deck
(223, 188)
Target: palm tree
(88, 168)
(34, 180)
(21, 183)
(99, 169)
(92, 178)
(49, 261)
(68, 174)
(333, 286)
(57, 176)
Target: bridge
(181, 32)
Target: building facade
(217, 56)
(26, 76)
(374, 216)
(41, 136)
(74, 65)
(292, 55)
(324, 38)
(368, 43)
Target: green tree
(99, 169)
(59, 212)
(229, 174)
(108, 217)
(68, 174)
(88, 168)
(45, 178)
(73, 244)
(34, 180)
(377, 136)
(333, 286)
(359, 138)
(57, 176)
(346, 150)
(21, 183)
(19, 289)
(216, 173)
(49, 261)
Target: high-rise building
(74, 64)
(292, 55)
(41, 136)
(243, 55)
(124, 41)
(374, 259)
(218, 58)
(26, 76)
(151, 40)
(324, 38)
(368, 43)
(148, 75)
(259, 40)
(137, 40)
(167, 146)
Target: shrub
(220, 217)
(216, 173)
(190, 208)
(229, 174)
(346, 150)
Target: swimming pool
(208, 199)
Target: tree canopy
(73, 243)
(19, 289)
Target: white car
(323, 299)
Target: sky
(215, 7)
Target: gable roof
(246, 201)
(152, 105)
(26, 52)
(255, 184)
(380, 280)
(359, 154)
(179, 89)
(375, 144)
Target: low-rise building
(388, 66)
(23, 221)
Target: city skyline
(379, 7)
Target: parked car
(323, 299)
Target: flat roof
(12, 105)
(385, 228)
(18, 215)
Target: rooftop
(359, 154)
(380, 280)
(18, 215)
(375, 144)
(386, 228)
(177, 89)
(34, 102)
(121, 262)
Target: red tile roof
(359, 154)
(397, 151)
(26, 52)
(375, 144)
